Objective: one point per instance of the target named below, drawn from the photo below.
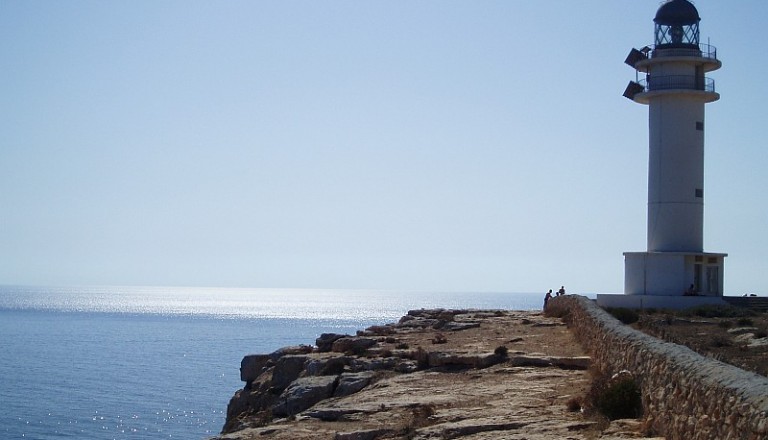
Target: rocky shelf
(445, 374)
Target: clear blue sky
(432, 145)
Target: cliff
(435, 374)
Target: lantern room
(677, 25)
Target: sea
(162, 362)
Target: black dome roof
(677, 13)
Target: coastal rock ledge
(437, 374)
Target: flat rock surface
(522, 396)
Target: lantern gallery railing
(683, 50)
(685, 82)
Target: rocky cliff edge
(447, 374)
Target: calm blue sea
(152, 362)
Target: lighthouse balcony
(684, 50)
(677, 82)
(697, 86)
(645, 59)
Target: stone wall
(685, 395)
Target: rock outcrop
(440, 373)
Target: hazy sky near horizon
(432, 145)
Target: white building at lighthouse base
(663, 280)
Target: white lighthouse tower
(676, 90)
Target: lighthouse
(670, 78)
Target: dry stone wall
(685, 395)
